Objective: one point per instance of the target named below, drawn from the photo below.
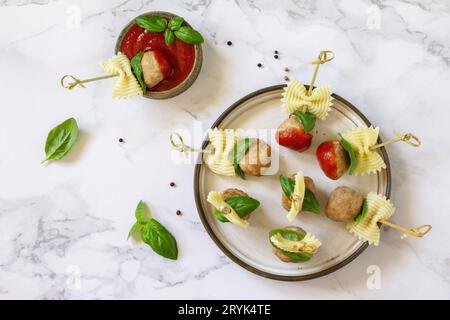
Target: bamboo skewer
(78, 82)
(321, 59)
(417, 232)
(409, 138)
(182, 147)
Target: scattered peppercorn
(229, 43)
(276, 56)
(286, 69)
(172, 184)
(259, 65)
(179, 213)
(121, 140)
(276, 52)
(286, 78)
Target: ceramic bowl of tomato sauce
(185, 59)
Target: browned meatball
(228, 193)
(286, 202)
(256, 157)
(279, 253)
(344, 204)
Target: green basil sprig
(363, 212)
(154, 234)
(310, 202)
(152, 23)
(307, 119)
(239, 150)
(171, 30)
(348, 147)
(293, 236)
(60, 140)
(243, 206)
(137, 70)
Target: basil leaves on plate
(310, 202)
(351, 153)
(240, 148)
(363, 212)
(171, 30)
(243, 206)
(154, 233)
(61, 139)
(307, 119)
(293, 236)
(137, 69)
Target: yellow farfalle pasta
(126, 86)
(298, 195)
(217, 200)
(222, 142)
(361, 140)
(378, 208)
(295, 98)
(308, 244)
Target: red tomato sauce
(180, 55)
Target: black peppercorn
(229, 43)
(121, 140)
(179, 213)
(275, 56)
(172, 184)
(286, 69)
(276, 52)
(259, 65)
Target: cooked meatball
(228, 193)
(344, 204)
(256, 157)
(286, 202)
(155, 67)
(279, 253)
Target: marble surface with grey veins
(63, 226)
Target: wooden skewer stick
(321, 59)
(417, 232)
(78, 82)
(183, 147)
(409, 138)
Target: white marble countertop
(63, 226)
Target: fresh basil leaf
(159, 239)
(288, 185)
(152, 23)
(61, 139)
(310, 202)
(348, 147)
(133, 229)
(239, 150)
(297, 256)
(137, 69)
(189, 35)
(169, 37)
(176, 23)
(243, 205)
(139, 213)
(294, 236)
(288, 234)
(307, 119)
(363, 212)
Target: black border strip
(230, 254)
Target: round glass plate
(259, 114)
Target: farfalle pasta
(126, 86)
(296, 98)
(223, 142)
(361, 141)
(377, 208)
